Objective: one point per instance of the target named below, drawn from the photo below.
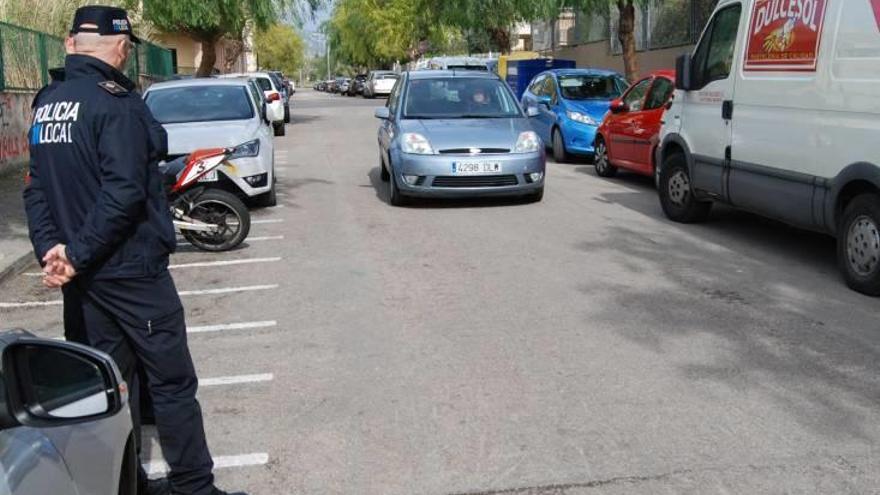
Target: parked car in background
(451, 134)
(629, 134)
(454, 63)
(282, 82)
(221, 113)
(277, 107)
(344, 85)
(65, 425)
(779, 115)
(357, 85)
(380, 83)
(570, 105)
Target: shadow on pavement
(741, 280)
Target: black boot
(155, 487)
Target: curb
(16, 266)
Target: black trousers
(125, 319)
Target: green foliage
(280, 47)
(208, 20)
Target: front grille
(467, 151)
(475, 181)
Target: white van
(778, 112)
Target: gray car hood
(190, 136)
(468, 133)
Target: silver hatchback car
(451, 134)
(65, 426)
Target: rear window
(200, 104)
(265, 83)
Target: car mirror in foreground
(618, 106)
(52, 383)
(532, 112)
(382, 113)
(683, 72)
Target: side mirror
(264, 113)
(684, 72)
(618, 106)
(51, 383)
(532, 112)
(382, 113)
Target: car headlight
(411, 142)
(528, 142)
(250, 148)
(582, 118)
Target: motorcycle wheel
(225, 210)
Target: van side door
(706, 112)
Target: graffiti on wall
(15, 116)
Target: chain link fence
(27, 55)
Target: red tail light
(273, 97)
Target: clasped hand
(57, 269)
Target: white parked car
(778, 112)
(220, 113)
(380, 83)
(277, 106)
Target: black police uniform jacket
(94, 180)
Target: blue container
(521, 72)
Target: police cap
(102, 20)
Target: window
(264, 83)
(454, 98)
(550, 89)
(714, 57)
(589, 87)
(394, 99)
(256, 94)
(200, 104)
(636, 95)
(659, 94)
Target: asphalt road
(582, 345)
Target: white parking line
(267, 220)
(220, 462)
(235, 380)
(225, 263)
(251, 325)
(32, 304)
(227, 290)
(183, 243)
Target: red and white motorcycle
(210, 218)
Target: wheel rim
(220, 214)
(863, 245)
(601, 157)
(679, 188)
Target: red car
(628, 135)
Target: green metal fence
(27, 55)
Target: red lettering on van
(876, 5)
(784, 35)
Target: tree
(207, 21)
(280, 47)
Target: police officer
(100, 224)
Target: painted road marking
(235, 380)
(267, 220)
(227, 290)
(249, 239)
(225, 263)
(158, 467)
(250, 325)
(204, 292)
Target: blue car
(569, 105)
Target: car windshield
(589, 87)
(459, 98)
(200, 104)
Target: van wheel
(559, 153)
(604, 168)
(677, 194)
(280, 130)
(858, 244)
